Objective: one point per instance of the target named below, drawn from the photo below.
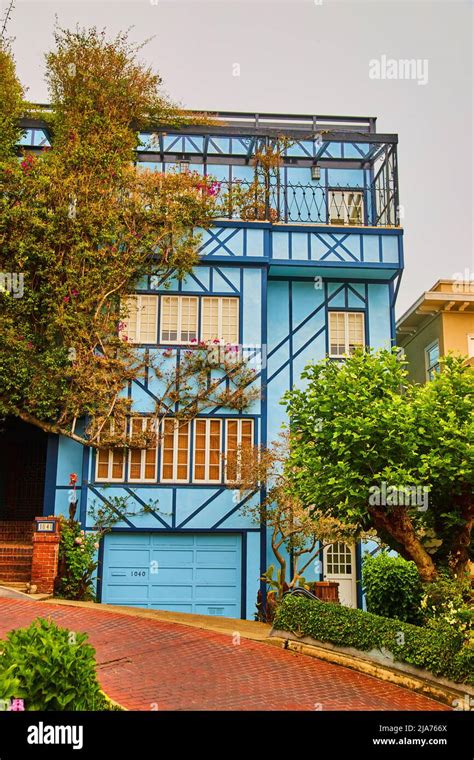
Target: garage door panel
(216, 557)
(121, 539)
(172, 593)
(121, 594)
(127, 557)
(175, 607)
(172, 557)
(173, 539)
(171, 575)
(212, 540)
(127, 575)
(218, 609)
(219, 593)
(227, 576)
(198, 572)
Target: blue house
(313, 274)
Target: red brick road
(152, 665)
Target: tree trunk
(462, 534)
(397, 523)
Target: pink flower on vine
(66, 299)
(27, 163)
(17, 705)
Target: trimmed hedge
(393, 587)
(440, 652)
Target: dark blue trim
(393, 328)
(264, 427)
(243, 575)
(100, 569)
(290, 338)
(358, 553)
(133, 529)
(49, 493)
(84, 484)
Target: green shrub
(51, 668)
(449, 601)
(392, 587)
(77, 565)
(440, 652)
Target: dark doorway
(22, 470)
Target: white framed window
(142, 462)
(339, 559)
(141, 324)
(220, 319)
(110, 465)
(179, 319)
(207, 451)
(346, 207)
(432, 360)
(175, 451)
(346, 332)
(110, 461)
(238, 435)
(470, 346)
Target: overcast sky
(313, 57)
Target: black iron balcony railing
(314, 204)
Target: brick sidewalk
(153, 665)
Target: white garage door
(182, 572)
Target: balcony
(333, 171)
(294, 202)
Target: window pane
(117, 463)
(103, 463)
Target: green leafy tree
(359, 424)
(82, 224)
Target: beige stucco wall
(415, 348)
(456, 327)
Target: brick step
(20, 531)
(14, 574)
(16, 585)
(19, 552)
(14, 562)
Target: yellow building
(440, 321)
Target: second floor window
(220, 319)
(175, 451)
(180, 323)
(179, 319)
(140, 326)
(110, 464)
(432, 360)
(239, 435)
(346, 207)
(207, 451)
(346, 332)
(142, 461)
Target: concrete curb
(14, 593)
(247, 629)
(408, 676)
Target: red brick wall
(44, 568)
